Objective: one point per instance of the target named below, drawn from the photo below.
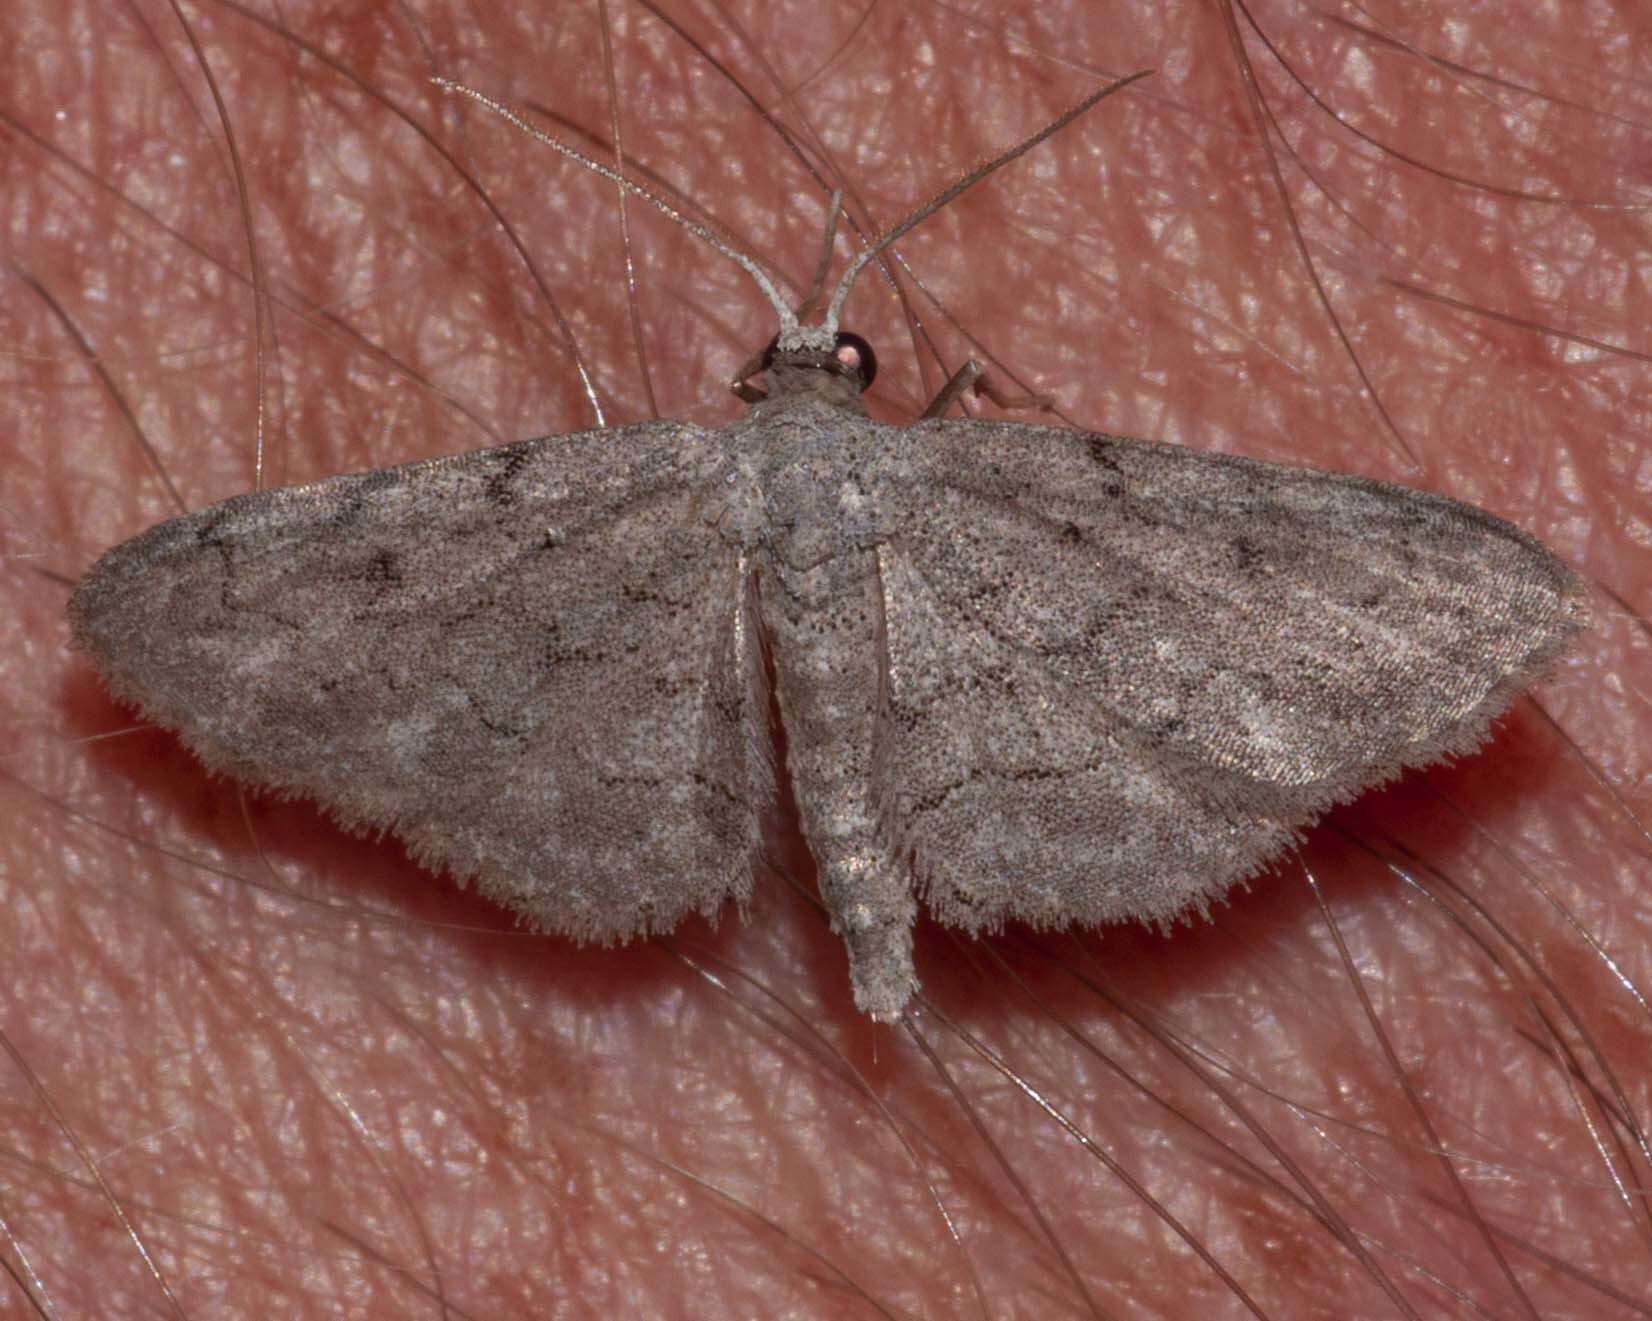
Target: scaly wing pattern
(535, 665)
(1124, 675)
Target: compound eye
(856, 354)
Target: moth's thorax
(789, 383)
(813, 470)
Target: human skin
(259, 1067)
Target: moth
(1024, 673)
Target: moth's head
(791, 359)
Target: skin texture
(311, 1079)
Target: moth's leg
(962, 379)
(972, 377)
(741, 386)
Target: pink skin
(315, 1080)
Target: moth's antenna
(823, 264)
(828, 326)
(788, 318)
(793, 335)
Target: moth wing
(533, 664)
(1123, 675)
